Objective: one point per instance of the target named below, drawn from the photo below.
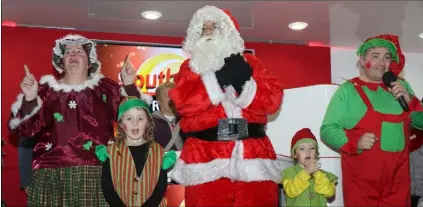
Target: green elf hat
(304, 135)
(132, 102)
(390, 42)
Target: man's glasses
(208, 29)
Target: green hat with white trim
(132, 102)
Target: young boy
(305, 184)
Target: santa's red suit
(225, 173)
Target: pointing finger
(125, 62)
(127, 58)
(27, 70)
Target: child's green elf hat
(132, 102)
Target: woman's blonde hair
(148, 134)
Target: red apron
(377, 177)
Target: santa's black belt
(230, 132)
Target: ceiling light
(421, 35)
(298, 25)
(152, 15)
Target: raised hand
(29, 85)
(128, 73)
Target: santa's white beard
(209, 53)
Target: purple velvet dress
(63, 118)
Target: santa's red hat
(236, 24)
(304, 135)
(398, 62)
(228, 26)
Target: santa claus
(224, 98)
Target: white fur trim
(229, 105)
(145, 97)
(123, 91)
(223, 21)
(212, 87)
(235, 168)
(90, 83)
(248, 93)
(15, 122)
(74, 39)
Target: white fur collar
(90, 83)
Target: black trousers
(414, 201)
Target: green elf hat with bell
(390, 42)
(304, 135)
(132, 102)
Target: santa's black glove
(224, 76)
(243, 71)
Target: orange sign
(158, 69)
(154, 64)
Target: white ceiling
(338, 23)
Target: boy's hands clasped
(311, 166)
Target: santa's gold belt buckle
(232, 129)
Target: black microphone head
(388, 78)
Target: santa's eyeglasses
(208, 29)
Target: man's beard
(209, 53)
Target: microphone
(390, 77)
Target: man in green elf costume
(365, 122)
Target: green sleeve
(407, 87)
(331, 176)
(344, 111)
(288, 173)
(416, 117)
(417, 120)
(332, 132)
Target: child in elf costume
(134, 165)
(365, 122)
(305, 184)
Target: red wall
(295, 65)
